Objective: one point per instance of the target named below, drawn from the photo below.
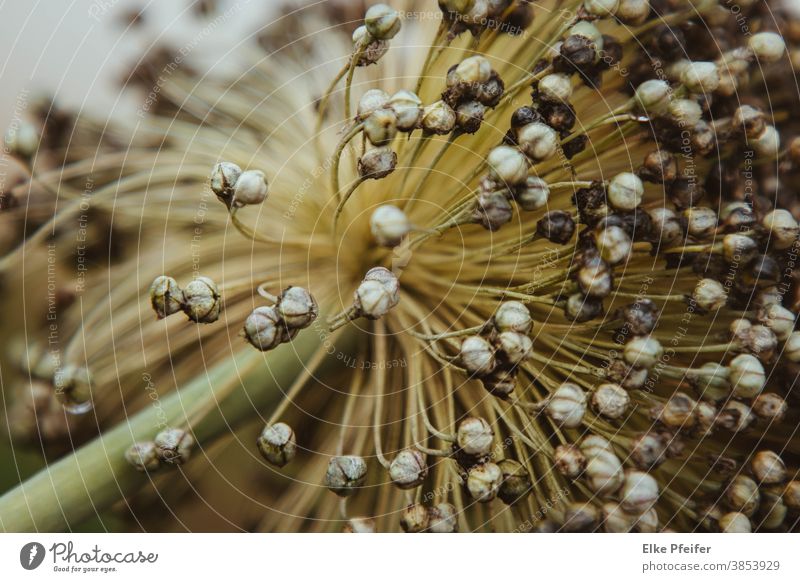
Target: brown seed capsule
(610, 401)
(660, 167)
(648, 450)
(791, 495)
(735, 416)
(408, 469)
(627, 376)
(749, 120)
(640, 318)
(595, 277)
(415, 518)
(556, 226)
(201, 300)
(580, 517)
(770, 407)
(502, 381)
(174, 446)
(514, 347)
(438, 118)
(768, 468)
(483, 482)
(772, 512)
(742, 495)
(492, 211)
(469, 116)
(166, 296)
(678, 412)
(569, 461)
(224, 176)
(580, 308)
(377, 163)
(516, 482)
(345, 474)
(143, 457)
(277, 444)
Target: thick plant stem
(95, 476)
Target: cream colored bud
(22, 139)
(768, 47)
(639, 492)
(250, 188)
(569, 461)
(768, 468)
(223, 179)
(625, 191)
(679, 412)
(746, 376)
(513, 316)
(382, 21)
(415, 518)
(614, 244)
(711, 382)
(201, 300)
(475, 437)
(483, 482)
(515, 347)
(370, 102)
(277, 444)
(701, 222)
(685, 112)
(443, 518)
(633, 12)
(359, 525)
(377, 163)
(374, 299)
(477, 355)
(783, 228)
(389, 225)
(345, 474)
(601, 8)
(768, 144)
(556, 87)
(603, 468)
(735, 523)
(408, 469)
(381, 127)
(587, 30)
(791, 349)
(736, 247)
(166, 296)
(709, 294)
(750, 120)
(666, 225)
(538, 141)
(742, 495)
(616, 519)
(567, 405)
(610, 401)
(263, 329)
(408, 108)
(473, 70)
(791, 495)
(297, 308)
(643, 351)
(507, 165)
(532, 194)
(174, 446)
(143, 457)
(701, 77)
(770, 407)
(653, 96)
(438, 118)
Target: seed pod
(477, 356)
(443, 518)
(516, 482)
(277, 444)
(648, 450)
(768, 47)
(407, 106)
(610, 401)
(603, 468)
(469, 116)
(616, 520)
(490, 92)
(250, 188)
(742, 494)
(738, 248)
(532, 194)
(166, 296)
(633, 12)
(507, 165)
(502, 381)
(381, 127)
(73, 388)
(701, 77)
(389, 225)
(580, 308)
(791, 495)
(373, 299)
(143, 457)
(735, 523)
(750, 120)
(653, 96)
(768, 144)
(201, 300)
(735, 416)
(660, 167)
(174, 446)
(264, 330)
(678, 412)
(514, 347)
(665, 226)
(625, 191)
(377, 163)
(415, 518)
(538, 141)
(601, 8)
(643, 351)
(614, 244)
(345, 474)
(770, 407)
(709, 295)
(567, 405)
(513, 316)
(22, 139)
(569, 461)
(768, 468)
(640, 317)
(779, 319)
(382, 21)
(737, 216)
(224, 176)
(685, 112)
(627, 376)
(639, 492)
(773, 512)
(580, 517)
(492, 210)
(746, 375)
(370, 102)
(783, 228)
(556, 87)
(472, 70)
(438, 118)
(587, 30)
(475, 437)
(595, 277)
(408, 469)
(556, 226)
(700, 222)
(359, 525)
(483, 482)
(711, 382)
(297, 308)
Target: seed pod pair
(238, 188)
(377, 294)
(269, 326)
